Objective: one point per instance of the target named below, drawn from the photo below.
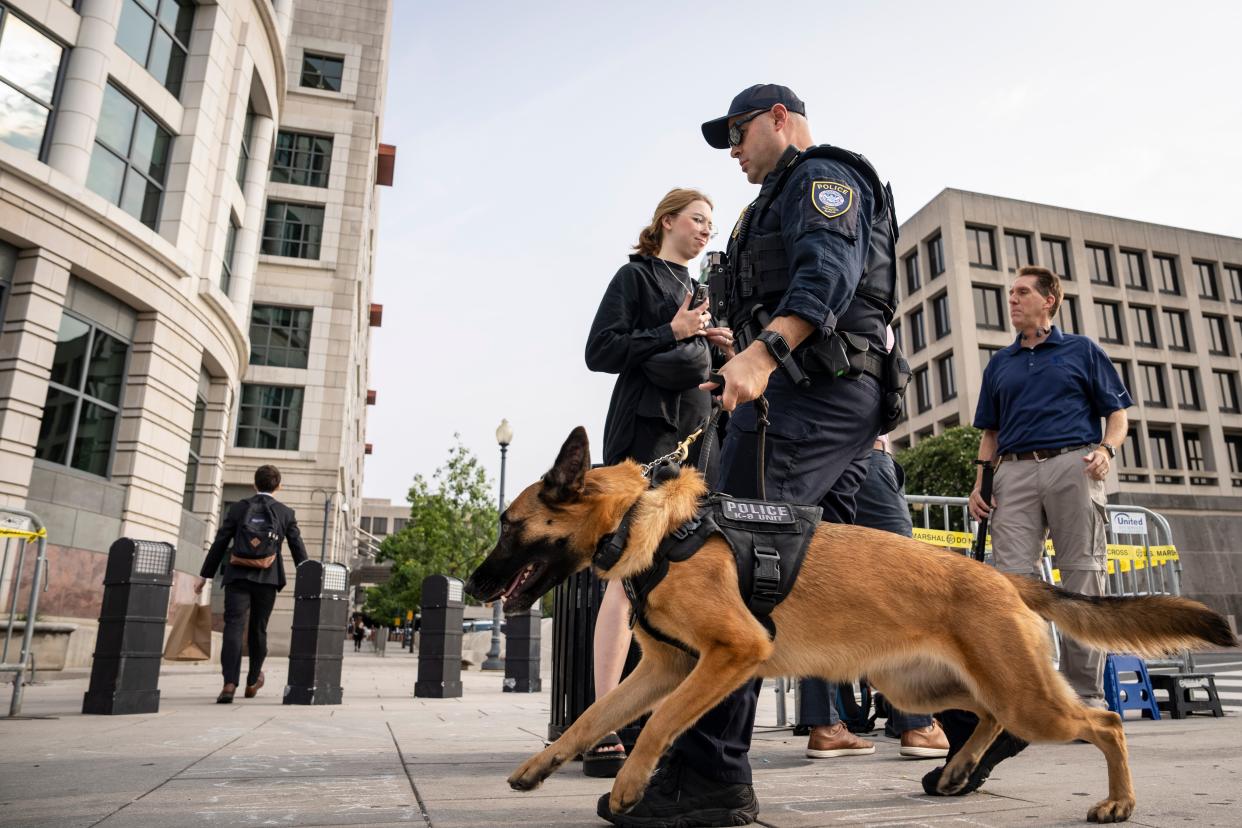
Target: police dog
(931, 629)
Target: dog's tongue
(514, 584)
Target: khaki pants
(1055, 497)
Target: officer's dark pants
(881, 504)
(817, 447)
(242, 598)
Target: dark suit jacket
(273, 575)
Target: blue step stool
(1122, 696)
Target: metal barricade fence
(18, 528)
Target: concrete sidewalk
(386, 758)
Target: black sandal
(604, 764)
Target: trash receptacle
(125, 672)
(320, 608)
(522, 651)
(439, 639)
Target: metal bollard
(320, 607)
(522, 651)
(439, 640)
(125, 673)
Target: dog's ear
(564, 481)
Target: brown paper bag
(190, 639)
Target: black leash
(985, 491)
(761, 432)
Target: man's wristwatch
(1112, 452)
(776, 345)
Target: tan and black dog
(931, 629)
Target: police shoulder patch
(832, 198)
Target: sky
(534, 140)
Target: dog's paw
(532, 773)
(627, 790)
(1111, 810)
(953, 779)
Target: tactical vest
(757, 269)
(768, 539)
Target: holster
(893, 384)
(841, 354)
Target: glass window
(1206, 272)
(1144, 327)
(1018, 246)
(1123, 371)
(83, 398)
(1132, 450)
(1193, 442)
(935, 256)
(1233, 275)
(912, 274)
(398, 524)
(948, 382)
(1227, 387)
(293, 229)
(988, 307)
(922, 387)
(1153, 384)
(246, 151)
(270, 417)
(940, 309)
(1218, 334)
(130, 159)
(918, 336)
(29, 66)
(1175, 324)
(1108, 317)
(156, 33)
(1166, 274)
(379, 526)
(280, 336)
(1233, 447)
(1067, 315)
(196, 453)
(322, 71)
(302, 159)
(980, 246)
(1100, 261)
(1187, 383)
(1133, 269)
(226, 266)
(985, 356)
(8, 262)
(1162, 455)
(1056, 256)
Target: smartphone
(700, 295)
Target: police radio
(712, 276)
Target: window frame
(265, 329)
(1160, 259)
(1201, 267)
(257, 429)
(922, 390)
(1227, 381)
(301, 244)
(946, 377)
(1233, 275)
(127, 159)
(975, 249)
(1014, 249)
(1109, 278)
(1102, 306)
(918, 329)
(1138, 313)
(1048, 245)
(1218, 328)
(935, 256)
(308, 56)
(1130, 260)
(942, 321)
(913, 278)
(157, 20)
(1157, 397)
(1069, 301)
(1171, 340)
(1186, 377)
(290, 173)
(987, 297)
(247, 138)
(53, 104)
(194, 451)
(227, 262)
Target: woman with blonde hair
(657, 339)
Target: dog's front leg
(719, 672)
(659, 671)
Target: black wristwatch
(776, 345)
(1112, 452)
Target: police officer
(808, 289)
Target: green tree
(943, 465)
(452, 527)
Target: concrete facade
(1184, 454)
(171, 288)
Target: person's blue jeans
(880, 504)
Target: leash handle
(985, 491)
(761, 433)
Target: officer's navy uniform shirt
(827, 256)
(1050, 396)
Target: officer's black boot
(958, 726)
(679, 797)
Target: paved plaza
(385, 758)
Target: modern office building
(188, 203)
(1164, 302)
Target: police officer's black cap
(759, 96)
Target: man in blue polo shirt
(1040, 409)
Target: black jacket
(656, 399)
(273, 575)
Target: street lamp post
(504, 436)
(327, 507)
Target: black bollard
(320, 607)
(439, 639)
(125, 673)
(522, 651)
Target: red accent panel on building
(367, 449)
(377, 315)
(370, 396)
(385, 164)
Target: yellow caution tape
(10, 532)
(1126, 556)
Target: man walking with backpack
(252, 533)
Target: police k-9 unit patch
(832, 198)
(756, 511)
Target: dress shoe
(925, 743)
(829, 741)
(226, 695)
(253, 689)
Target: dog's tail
(1150, 625)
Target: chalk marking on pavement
(422, 806)
(183, 770)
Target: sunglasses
(736, 134)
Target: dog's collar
(608, 550)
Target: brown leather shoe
(828, 742)
(253, 689)
(226, 695)
(925, 742)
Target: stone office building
(1166, 305)
(188, 203)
